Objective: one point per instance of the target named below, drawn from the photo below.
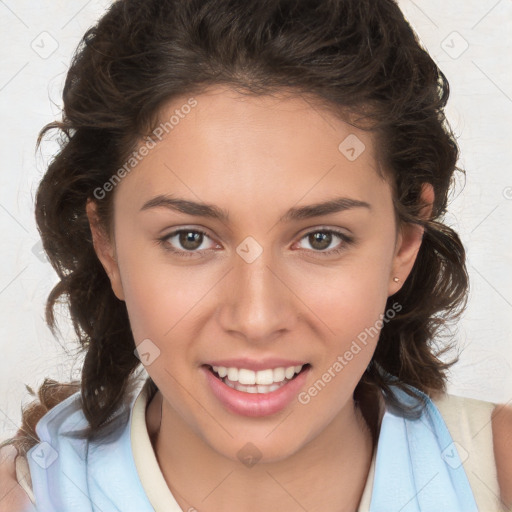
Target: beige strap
(366, 498)
(469, 423)
(146, 463)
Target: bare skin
(255, 158)
(502, 436)
(13, 498)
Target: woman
(248, 201)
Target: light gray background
(470, 40)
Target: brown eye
(190, 240)
(187, 242)
(320, 240)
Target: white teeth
(289, 372)
(278, 374)
(265, 377)
(246, 376)
(233, 374)
(254, 389)
(261, 381)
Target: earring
(396, 279)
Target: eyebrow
(188, 207)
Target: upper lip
(256, 364)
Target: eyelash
(347, 240)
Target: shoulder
(14, 496)
(502, 438)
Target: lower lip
(255, 404)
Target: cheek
(159, 296)
(350, 298)
(352, 306)
(350, 301)
(354, 321)
(161, 301)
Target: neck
(329, 473)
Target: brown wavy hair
(359, 58)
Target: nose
(258, 303)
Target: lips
(250, 398)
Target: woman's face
(276, 280)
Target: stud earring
(396, 279)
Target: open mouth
(262, 382)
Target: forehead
(247, 148)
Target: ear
(105, 249)
(409, 241)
